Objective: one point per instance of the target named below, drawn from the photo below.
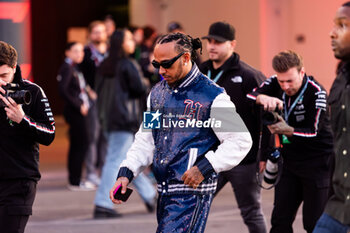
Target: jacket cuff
(252, 96)
(25, 122)
(205, 167)
(126, 172)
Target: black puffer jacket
(118, 97)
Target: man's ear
(187, 58)
(302, 71)
(14, 68)
(233, 44)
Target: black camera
(270, 118)
(271, 171)
(19, 96)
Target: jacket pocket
(192, 156)
(196, 214)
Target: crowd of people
(220, 129)
(104, 91)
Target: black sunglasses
(167, 63)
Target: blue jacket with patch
(187, 135)
(171, 157)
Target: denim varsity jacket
(198, 126)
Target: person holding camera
(185, 160)
(22, 128)
(305, 133)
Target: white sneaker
(93, 178)
(83, 186)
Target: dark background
(50, 21)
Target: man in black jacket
(22, 128)
(307, 141)
(226, 69)
(336, 217)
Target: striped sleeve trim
(34, 84)
(315, 85)
(250, 96)
(268, 81)
(38, 127)
(314, 134)
(307, 135)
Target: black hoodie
(19, 143)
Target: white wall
(287, 19)
(197, 15)
(264, 27)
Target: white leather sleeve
(234, 137)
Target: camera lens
(27, 98)
(271, 171)
(269, 118)
(21, 97)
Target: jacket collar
(344, 68)
(189, 78)
(230, 64)
(18, 75)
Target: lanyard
(216, 77)
(287, 113)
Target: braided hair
(347, 4)
(183, 43)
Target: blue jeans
(327, 224)
(119, 143)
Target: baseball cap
(174, 26)
(221, 32)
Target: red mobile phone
(123, 197)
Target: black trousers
(290, 192)
(16, 201)
(79, 137)
(247, 193)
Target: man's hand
(2, 83)
(13, 110)
(281, 127)
(84, 109)
(193, 177)
(92, 94)
(124, 182)
(269, 103)
(262, 166)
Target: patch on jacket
(237, 79)
(299, 118)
